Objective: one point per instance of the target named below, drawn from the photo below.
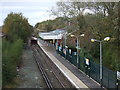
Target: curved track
(48, 70)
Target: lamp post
(67, 34)
(82, 35)
(105, 39)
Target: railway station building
(53, 36)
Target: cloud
(11, 7)
(36, 17)
(34, 14)
(24, 6)
(34, 11)
(23, 9)
(29, 0)
(59, 0)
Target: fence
(109, 77)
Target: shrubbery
(11, 53)
(17, 31)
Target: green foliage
(16, 24)
(17, 31)
(84, 53)
(11, 53)
(101, 23)
(50, 25)
(110, 56)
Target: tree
(16, 24)
(100, 23)
(50, 25)
(17, 30)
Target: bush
(11, 57)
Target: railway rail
(43, 72)
(52, 76)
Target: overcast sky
(34, 10)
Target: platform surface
(74, 75)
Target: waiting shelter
(52, 36)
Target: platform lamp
(82, 35)
(100, 41)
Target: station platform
(72, 73)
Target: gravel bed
(29, 73)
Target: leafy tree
(102, 22)
(17, 31)
(16, 24)
(50, 25)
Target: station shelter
(53, 36)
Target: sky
(35, 10)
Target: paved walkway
(81, 76)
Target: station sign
(69, 51)
(118, 75)
(87, 61)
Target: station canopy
(56, 34)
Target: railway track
(43, 73)
(48, 70)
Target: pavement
(80, 77)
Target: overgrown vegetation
(50, 25)
(10, 59)
(17, 30)
(101, 21)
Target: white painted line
(71, 77)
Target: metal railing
(109, 79)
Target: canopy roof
(56, 34)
